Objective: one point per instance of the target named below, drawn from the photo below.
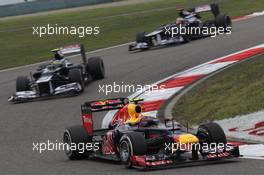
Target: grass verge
(117, 25)
(236, 91)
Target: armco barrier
(40, 6)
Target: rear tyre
(22, 84)
(75, 76)
(131, 144)
(223, 21)
(76, 135)
(96, 67)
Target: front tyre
(211, 134)
(185, 38)
(130, 48)
(141, 37)
(75, 138)
(131, 144)
(22, 84)
(75, 76)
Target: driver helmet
(134, 112)
(58, 55)
(179, 20)
(183, 13)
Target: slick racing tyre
(73, 137)
(141, 38)
(131, 144)
(96, 67)
(223, 21)
(75, 76)
(211, 133)
(22, 84)
(130, 47)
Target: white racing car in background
(59, 76)
(191, 21)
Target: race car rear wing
(214, 8)
(110, 104)
(73, 50)
(102, 105)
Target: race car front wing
(22, 96)
(148, 162)
(144, 46)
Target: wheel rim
(124, 152)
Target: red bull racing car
(142, 141)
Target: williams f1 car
(59, 76)
(142, 141)
(188, 26)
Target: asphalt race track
(23, 124)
